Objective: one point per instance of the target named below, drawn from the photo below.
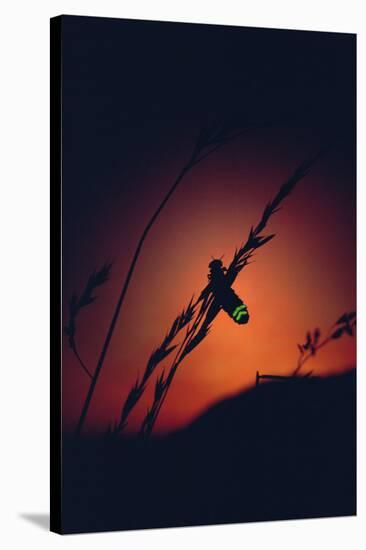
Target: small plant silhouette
(313, 343)
(77, 303)
(344, 325)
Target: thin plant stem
(303, 359)
(81, 362)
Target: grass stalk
(201, 325)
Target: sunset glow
(304, 278)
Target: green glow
(238, 309)
(240, 315)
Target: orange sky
(303, 278)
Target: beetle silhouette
(224, 295)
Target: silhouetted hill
(282, 450)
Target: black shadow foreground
(283, 450)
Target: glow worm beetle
(225, 295)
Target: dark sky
(134, 97)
